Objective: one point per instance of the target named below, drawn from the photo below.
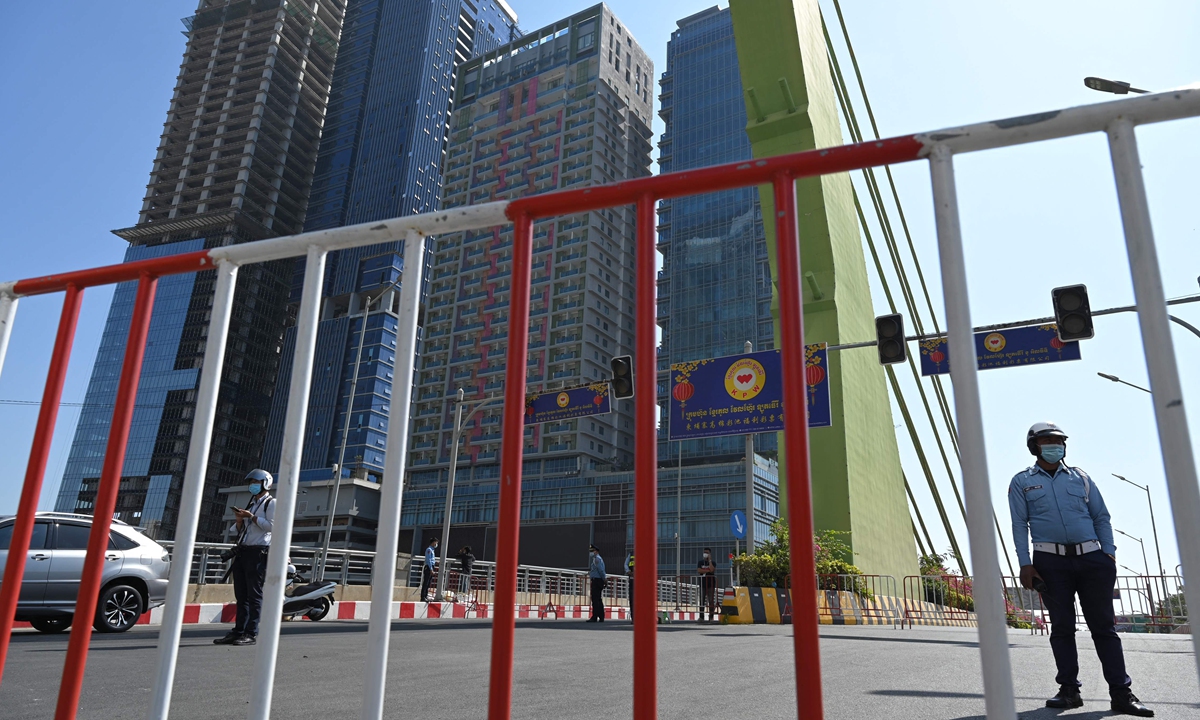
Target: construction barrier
(1116, 119)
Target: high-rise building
(566, 106)
(714, 293)
(235, 163)
(381, 155)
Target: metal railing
(346, 567)
(867, 597)
(1141, 604)
(938, 597)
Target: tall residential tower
(235, 163)
(567, 106)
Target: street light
(1116, 379)
(1116, 87)
(1153, 527)
(1139, 542)
(341, 463)
(455, 435)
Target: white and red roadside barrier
(218, 613)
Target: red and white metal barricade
(1118, 119)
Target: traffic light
(1072, 313)
(622, 377)
(889, 339)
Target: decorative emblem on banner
(745, 379)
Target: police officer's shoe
(245, 640)
(1127, 703)
(229, 639)
(1068, 697)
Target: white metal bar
(1166, 393)
(193, 490)
(471, 217)
(1158, 107)
(989, 592)
(8, 313)
(383, 579)
(263, 682)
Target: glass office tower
(381, 155)
(714, 292)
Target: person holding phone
(1073, 554)
(253, 525)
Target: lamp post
(455, 435)
(341, 463)
(1145, 562)
(1153, 527)
(1116, 87)
(1116, 379)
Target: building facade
(714, 292)
(234, 164)
(381, 156)
(566, 106)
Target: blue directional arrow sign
(737, 523)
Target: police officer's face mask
(255, 488)
(1053, 453)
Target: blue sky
(87, 91)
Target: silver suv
(134, 579)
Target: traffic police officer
(1073, 555)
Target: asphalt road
(569, 669)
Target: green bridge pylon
(857, 481)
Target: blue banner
(1032, 345)
(742, 394)
(568, 403)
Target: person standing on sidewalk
(249, 569)
(597, 578)
(427, 568)
(707, 570)
(629, 563)
(466, 563)
(1074, 554)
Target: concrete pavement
(570, 669)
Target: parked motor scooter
(313, 600)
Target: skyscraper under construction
(234, 164)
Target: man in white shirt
(254, 524)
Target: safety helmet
(1042, 429)
(257, 475)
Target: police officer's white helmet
(1042, 429)
(262, 476)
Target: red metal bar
(108, 274)
(721, 177)
(512, 445)
(795, 436)
(35, 470)
(645, 540)
(106, 501)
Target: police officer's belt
(1080, 549)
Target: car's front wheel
(118, 609)
(50, 626)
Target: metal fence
(870, 599)
(1116, 119)
(346, 567)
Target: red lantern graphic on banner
(813, 375)
(683, 391)
(1057, 345)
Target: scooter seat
(312, 587)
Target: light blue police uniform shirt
(1064, 508)
(430, 559)
(596, 568)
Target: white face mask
(705, 556)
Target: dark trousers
(598, 598)
(708, 595)
(1091, 577)
(630, 595)
(426, 578)
(249, 571)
